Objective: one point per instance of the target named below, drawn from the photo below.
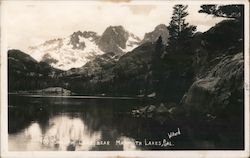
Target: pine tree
(178, 58)
(179, 30)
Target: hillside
(25, 73)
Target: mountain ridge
(80, 47)
(159, 30)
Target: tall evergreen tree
(178, 73)
(179, 30)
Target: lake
(90, 123)
(38, 123)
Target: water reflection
(37, 124)
(57, 123)
(69, 134)
(28, 139)
(33, 132)
(62, 133)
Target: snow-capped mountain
(77, 49)
(65, 53)
(116, 39)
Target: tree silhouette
(179, 30)
(225, 11)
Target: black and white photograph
(135, 78)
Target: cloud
(31, 24)
(141, 9)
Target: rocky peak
(160, 30)
(80, 47)
(117, 39)
(113, 38)
(90, 34)
(77, 39)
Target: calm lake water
(38, 123)
(85, 123)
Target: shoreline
(38, 95)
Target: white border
(151, 154)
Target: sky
(30, 24)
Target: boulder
(219, 90)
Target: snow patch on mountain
(60, 53)
(132, 42)
(80, 47)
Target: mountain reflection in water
(37, 124)
(93, 124)
(63, 133)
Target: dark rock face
(48, 59)
(113, 39)
(160, 30)
(75, 39)
(223, 84)
(88, 34)
(215, 103)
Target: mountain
(118, 73)
(112, 74)
(117, 39)
(20, 61)
(77, 49)
(160, 30)
(96, 66)
(131, 73)
(128, 70)
(25, 73)
(65, 53)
